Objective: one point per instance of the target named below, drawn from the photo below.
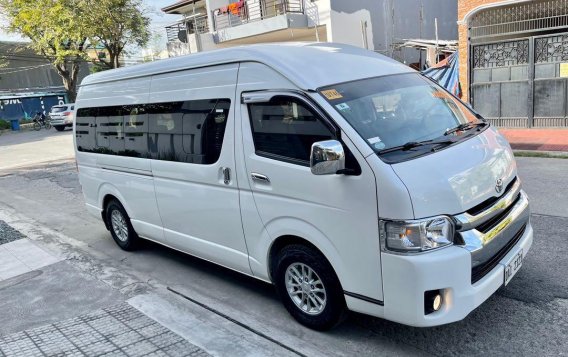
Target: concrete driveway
(20, 149)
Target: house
(514, 60)
(379, 25)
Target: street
(221, 312)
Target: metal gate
(500, 82)
(519, 63)
(522, 83)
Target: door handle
(259, 177)
(226, 175)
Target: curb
(23, 127)
(543, 154)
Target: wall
(390, 21)
(464, 8)
(26, 70)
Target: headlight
(417, 236)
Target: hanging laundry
(234, 8)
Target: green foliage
(4, 125)
(116, 24)
(63, 31)
(53, 26)
(56, 31)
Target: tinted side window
(285, 128)
(188, 131)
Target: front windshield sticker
(376, 143)
(374, 140)
(331, 94)
(342, 106)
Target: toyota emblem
(499, 185)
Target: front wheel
(47, 125)
(309, 287)
(37, 126)
(120, 227)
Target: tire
(120, 227)
(37, 126)
(292, 264)
(59, 127)
(47, 125)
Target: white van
(343, 177)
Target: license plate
(513, 266)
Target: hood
(455, 179)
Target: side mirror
(327, 157)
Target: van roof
(307, 65)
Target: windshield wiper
(414, 144)
(464, 126)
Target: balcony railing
(247, 11)
(189, 26)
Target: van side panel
(127, 178)
(200, 212)
(254, 76)
(336, 213)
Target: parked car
(61, 116)
(344, 178)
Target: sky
(159, 21)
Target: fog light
(432, 301)
(437, 302)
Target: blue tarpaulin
(446, 73)
(27, 106)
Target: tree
(64, 30)
(116, 24)
(56, 31)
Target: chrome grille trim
(467, 221)
(519, 214)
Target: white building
(379, 25)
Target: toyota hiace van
(344, 178)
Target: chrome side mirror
(327, 157)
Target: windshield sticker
(374, 140)
(342, 106)
(331, 94)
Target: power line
(27, 69)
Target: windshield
(395, 111)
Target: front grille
(487, 226)
(474, 211)
(478, 272)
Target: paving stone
(126, 339)
(140, 348)
(152, 330)
(166, 339)
(119, 331)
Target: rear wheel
(47, 125)
(309, 287)
(37, 126)
(120, 227)
(59, 127)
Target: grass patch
(545, 154)
(4, 125)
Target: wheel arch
(107, 193)
(324, 247)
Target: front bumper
(406, 278)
